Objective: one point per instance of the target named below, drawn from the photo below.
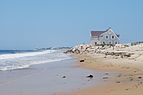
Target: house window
(106, 37)
(116, 42)
(113, 37)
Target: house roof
(97, 33)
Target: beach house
(108, 37)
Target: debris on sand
(140, 77)
(106, 73)
(81, 60)
(105, 77)
(118, 82)
(64, 77)
(90, 76)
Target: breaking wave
(27, 59)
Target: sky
(30, 24)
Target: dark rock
(90, 76)
(81, 60)
(119, 75)
(76, 51)
(105, 77)
(64, 77)
(139, 77)
(106, 73)
(131, 79)
(118, 82)
(69, 51)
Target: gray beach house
(108, 37)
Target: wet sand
(69, 77)
(129, 81)
(49, 79)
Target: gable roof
(97, 33)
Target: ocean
(19, 59)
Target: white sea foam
(17, 55)
(13, 67)
(25, 60)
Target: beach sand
(56, 78)
(112, 75)
(128, 82)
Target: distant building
(104, 37)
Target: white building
(104, 37)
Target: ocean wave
(26, 54)
(23, 66)
(25, 60)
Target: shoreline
(128, 82)
(56, 78)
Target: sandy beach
(55, 78)
(90, 72)
(71, 47)
(129, 81)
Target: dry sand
(128, 82)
